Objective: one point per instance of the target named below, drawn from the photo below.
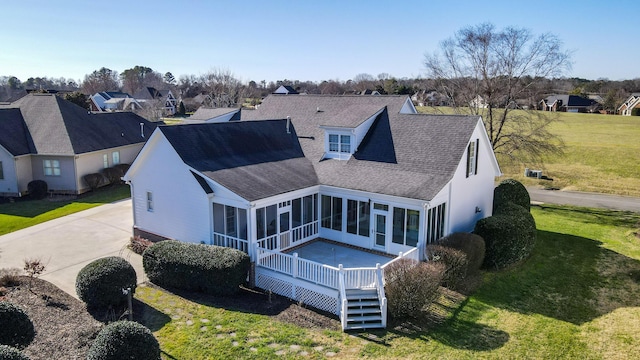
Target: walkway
(69, 243)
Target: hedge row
(509, 235)
(196, 267)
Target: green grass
(24, 212)
(575, 297)
(602, 154)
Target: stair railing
(382, 298)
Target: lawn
(25, 212)
(602, 154)
(576, 297)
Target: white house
(632, 102)
(44, 137)
(354, 177)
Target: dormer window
(340, 143)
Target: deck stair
(364, 310)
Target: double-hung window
(149, 201)
(115, 158)
(105, 161)
(51, 167)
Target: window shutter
(476, 155)
(468, 158)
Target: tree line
(221, 88)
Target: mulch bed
(64, 328)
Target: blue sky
(303, 40)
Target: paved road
(69, 243)
(594, 200)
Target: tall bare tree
(223, 88)
(103, 79)
(490, 72)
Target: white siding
(9, 182)
(181, 208)
(361, 131)
(475, 191)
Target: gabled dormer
(340, 142)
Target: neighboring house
(286, 90)
(568, 103)
(44, 137)
(633, 102)
(147, 95)
(366, 172)
(204, 114)
(478, 102)
(112, 101)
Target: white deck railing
(297, 267)
(230, 241)
(296, 236)
(410, 255)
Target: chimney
(288, 124)
(142, 129)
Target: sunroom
(328, 247)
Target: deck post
(294, 265)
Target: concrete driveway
(69, 243)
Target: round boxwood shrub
(37, 189)
(455, 264)
(472, 245)
(16, 328)
(10, 353)
(510, 190)
(196, 267)
(124, 340)
(99, 284)
(509, 235)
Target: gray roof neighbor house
(46, 126)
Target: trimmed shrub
(455, 264)
(112, 174)
(411, 286)
(124, 340)
(37, 189)
(472, 245)
(123, 168)
(510, 190)
(10, 353)
(17, 329)
(99, 284)
(509, 235)
(93, 181)
(196, 267)
(138, 244)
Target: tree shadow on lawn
(568, 278)
(257, 301)
(442, 322)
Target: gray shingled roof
(406, 155)
(254, 159)
(204, 113)
(14, 136)
(59, 127)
